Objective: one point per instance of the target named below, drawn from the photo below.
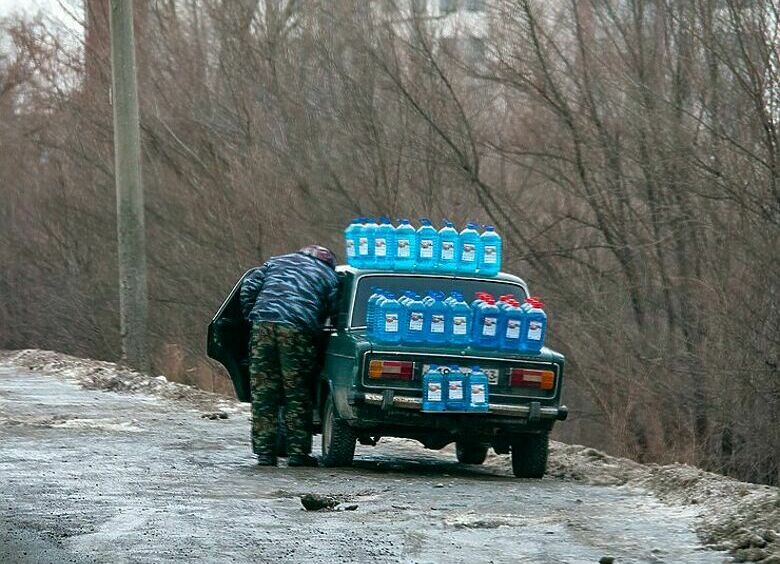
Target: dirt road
(95, 476)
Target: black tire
(529, 455)
(470, 453)
(338, 438)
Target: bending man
(287, 301)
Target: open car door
(228, 340)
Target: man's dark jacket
(294, 289)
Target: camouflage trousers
(280, 368)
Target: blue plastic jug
(469, 249)
(511, 325)
(390, 319)
(478, 391)
(371, 309)
(428, 246)
(351, 240)
(457, 389)
(490, 252)
(384, 245)
(535, 327)
(405, 246)
(460, 325)
(434, 396)
(437, 313)
(415, 330)
(448, 245)
(366, 243)
(486, 321)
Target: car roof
(500, 277)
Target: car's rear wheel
(470, 453)
(338, 439)
(529, 455)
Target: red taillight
(529, 378)
(391, 369)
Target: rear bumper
(395, 414)
(532, 411)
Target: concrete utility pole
(129, 190)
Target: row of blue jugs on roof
(384, 246)
(412, 320)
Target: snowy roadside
(736, 516)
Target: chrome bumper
(532, 411)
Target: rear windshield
(420, 284)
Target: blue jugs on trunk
(371, 310)
(416, 328)
(511, 324)
(486, 319)
(390, 319)
(461, 318)
(437, 313)
(534, 327)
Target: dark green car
(365, 390)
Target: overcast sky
(51, 8)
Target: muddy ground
(138, 474)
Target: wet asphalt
(93, 476)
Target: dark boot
(266, 460)
(302, 460)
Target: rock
(349, 507)
(770, 536)
(439, 485)
(316, 502)
(606, 560)
(750, 555)
(773, 559)
(214, 415)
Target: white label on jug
(512, 329)
(426, 248)
(381, 247)
(391, 323)
(403, 250)
(437, 324)
(456, 390)
(447, 250)
(489, 327)
(458, 325)
(535, 331)
(434, 391)
(469, 253)
(350, 248)
(478, 393)
(490, 254)
(363, 246)
(415, 321)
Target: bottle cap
(403, 221)
(489, 228)
(425, 221)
